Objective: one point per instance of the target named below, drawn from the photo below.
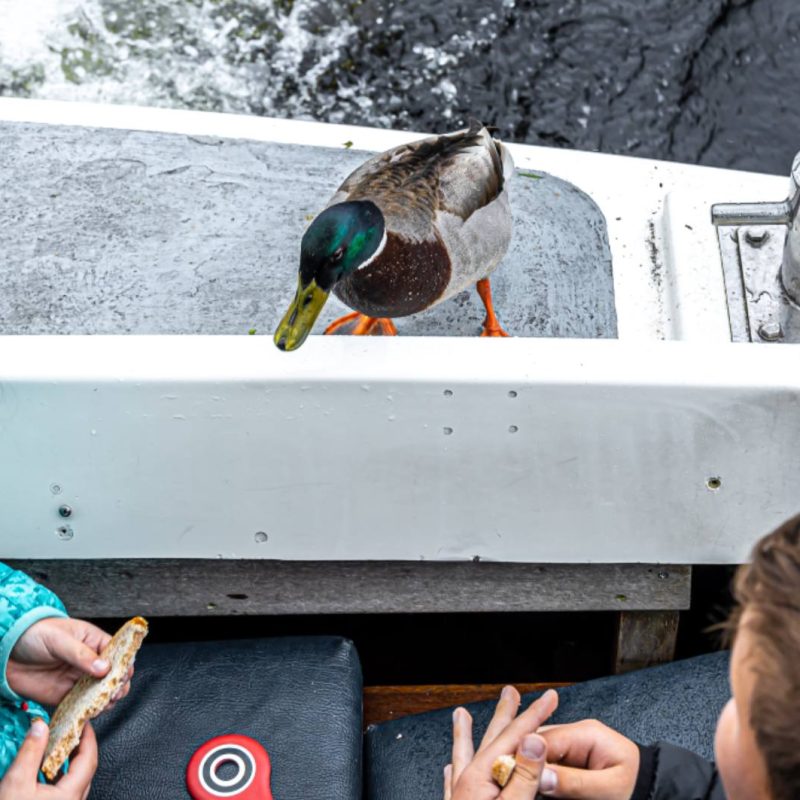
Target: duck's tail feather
(475, 126)
(506, 160)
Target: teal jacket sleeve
(22, 602)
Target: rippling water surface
(707, 81)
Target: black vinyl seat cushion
(299, 697)
(677, 702)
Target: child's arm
(668, 771)
(591, 760)
(23, 603)
(42, 651)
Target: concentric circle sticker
(248, 780)
(227, 754)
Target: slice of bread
(502, 768)
(89, 696)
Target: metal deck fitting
(760, 249)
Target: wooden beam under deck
(221, 587)
(385, 703)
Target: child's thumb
(524, 783)
(74, 652)
(25, 768)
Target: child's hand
(21, 780)
(52, 654)
(590, 761)
(469, 777)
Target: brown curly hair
(768, 588)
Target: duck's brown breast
(405, 278)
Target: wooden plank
(384, 703)
(645, 638)
(196, 587)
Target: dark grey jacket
(667, 772)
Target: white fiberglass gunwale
(524, 449)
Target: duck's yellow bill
(300, 316)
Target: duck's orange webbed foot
(493, 330)
(364, 325)
(491, 325)
(338, 323)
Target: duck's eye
(337, 254)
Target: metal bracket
(759, 308)
(761, 265)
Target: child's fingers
(583, 784)
(527, 722)
(448, 782)
(118, 695)
(463, 747)
(571, 743)
(123, 689)
(82, 765)
(64, 645)
(506, 710)
(24, 771)
(524, 783)
(95, 637)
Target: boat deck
(135, 232)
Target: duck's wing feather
(413, 184)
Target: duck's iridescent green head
(342, 238)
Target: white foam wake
(230, 55)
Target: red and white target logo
(248, 780)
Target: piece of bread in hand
(89, 696)
(502, 768)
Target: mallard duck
(408, 229)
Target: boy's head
(758, 735)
